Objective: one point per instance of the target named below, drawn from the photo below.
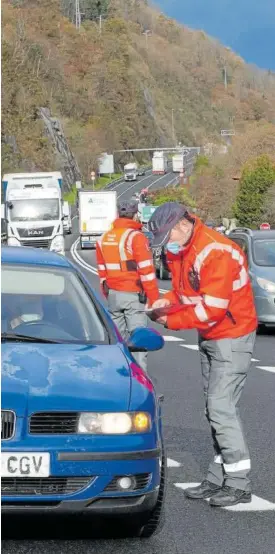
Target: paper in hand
(164, 311)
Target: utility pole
(77, 15)
(173, 127)
(225, 77)
(173, 124)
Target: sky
(247, 26)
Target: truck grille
(40, 243)
(54, 423)
(40, 232)
(7, 424)
(142, 480)
(26, 486)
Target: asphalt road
(191, 527)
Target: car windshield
(264, 252)
(49, 303)
(34, 209)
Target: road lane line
(269, 368)
(190, 346)
(169, 338)
(78, 259)
(257, 504)
(138, 182)
(172, 463)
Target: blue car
(81, 422)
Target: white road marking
(257, 504)
(254, 360)
(190, 346)
(138, 182)
(269, 368)
(172, 463)
(169, 338)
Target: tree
(256, 181)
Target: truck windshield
(34, 209)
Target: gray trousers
(128, 314)
(225, 364)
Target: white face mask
(32, 312)
(31, 317)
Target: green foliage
(256, 181)
(101, 183)
(171, 194)
(71, 196)
(201, 162)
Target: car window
(242, 243)
(264, 252)
(49, 303)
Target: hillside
(248, 27)
(116, 89)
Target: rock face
(67, 162)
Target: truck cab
(33, 210)
(130, 172)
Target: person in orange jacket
(127, 273)
(211, 292)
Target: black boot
(204, 490)
(228, 496)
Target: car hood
(64, 377)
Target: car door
(245, 246)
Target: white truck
(130, 172)
(178, 163)
(32, 210)
(97, 211)
(159, 163)
(67, 218)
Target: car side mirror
(144, 339)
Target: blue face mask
(173, 247)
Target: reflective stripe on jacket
(125, 261)
(210, 278)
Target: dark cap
(163, 220)
(127, 208)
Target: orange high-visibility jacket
(210, 278)
(124, 260)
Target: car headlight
(114, 423)
(13, 241)
(58, 244)
(269, 286)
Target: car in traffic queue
(259, 247)
(159, 258)
(81, 421)
(160, 263)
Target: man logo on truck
(32, 232)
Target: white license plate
(25, 464)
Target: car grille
(54, 423)
(142, 481)
(40, 243)
(25, 486)
(7, 424)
